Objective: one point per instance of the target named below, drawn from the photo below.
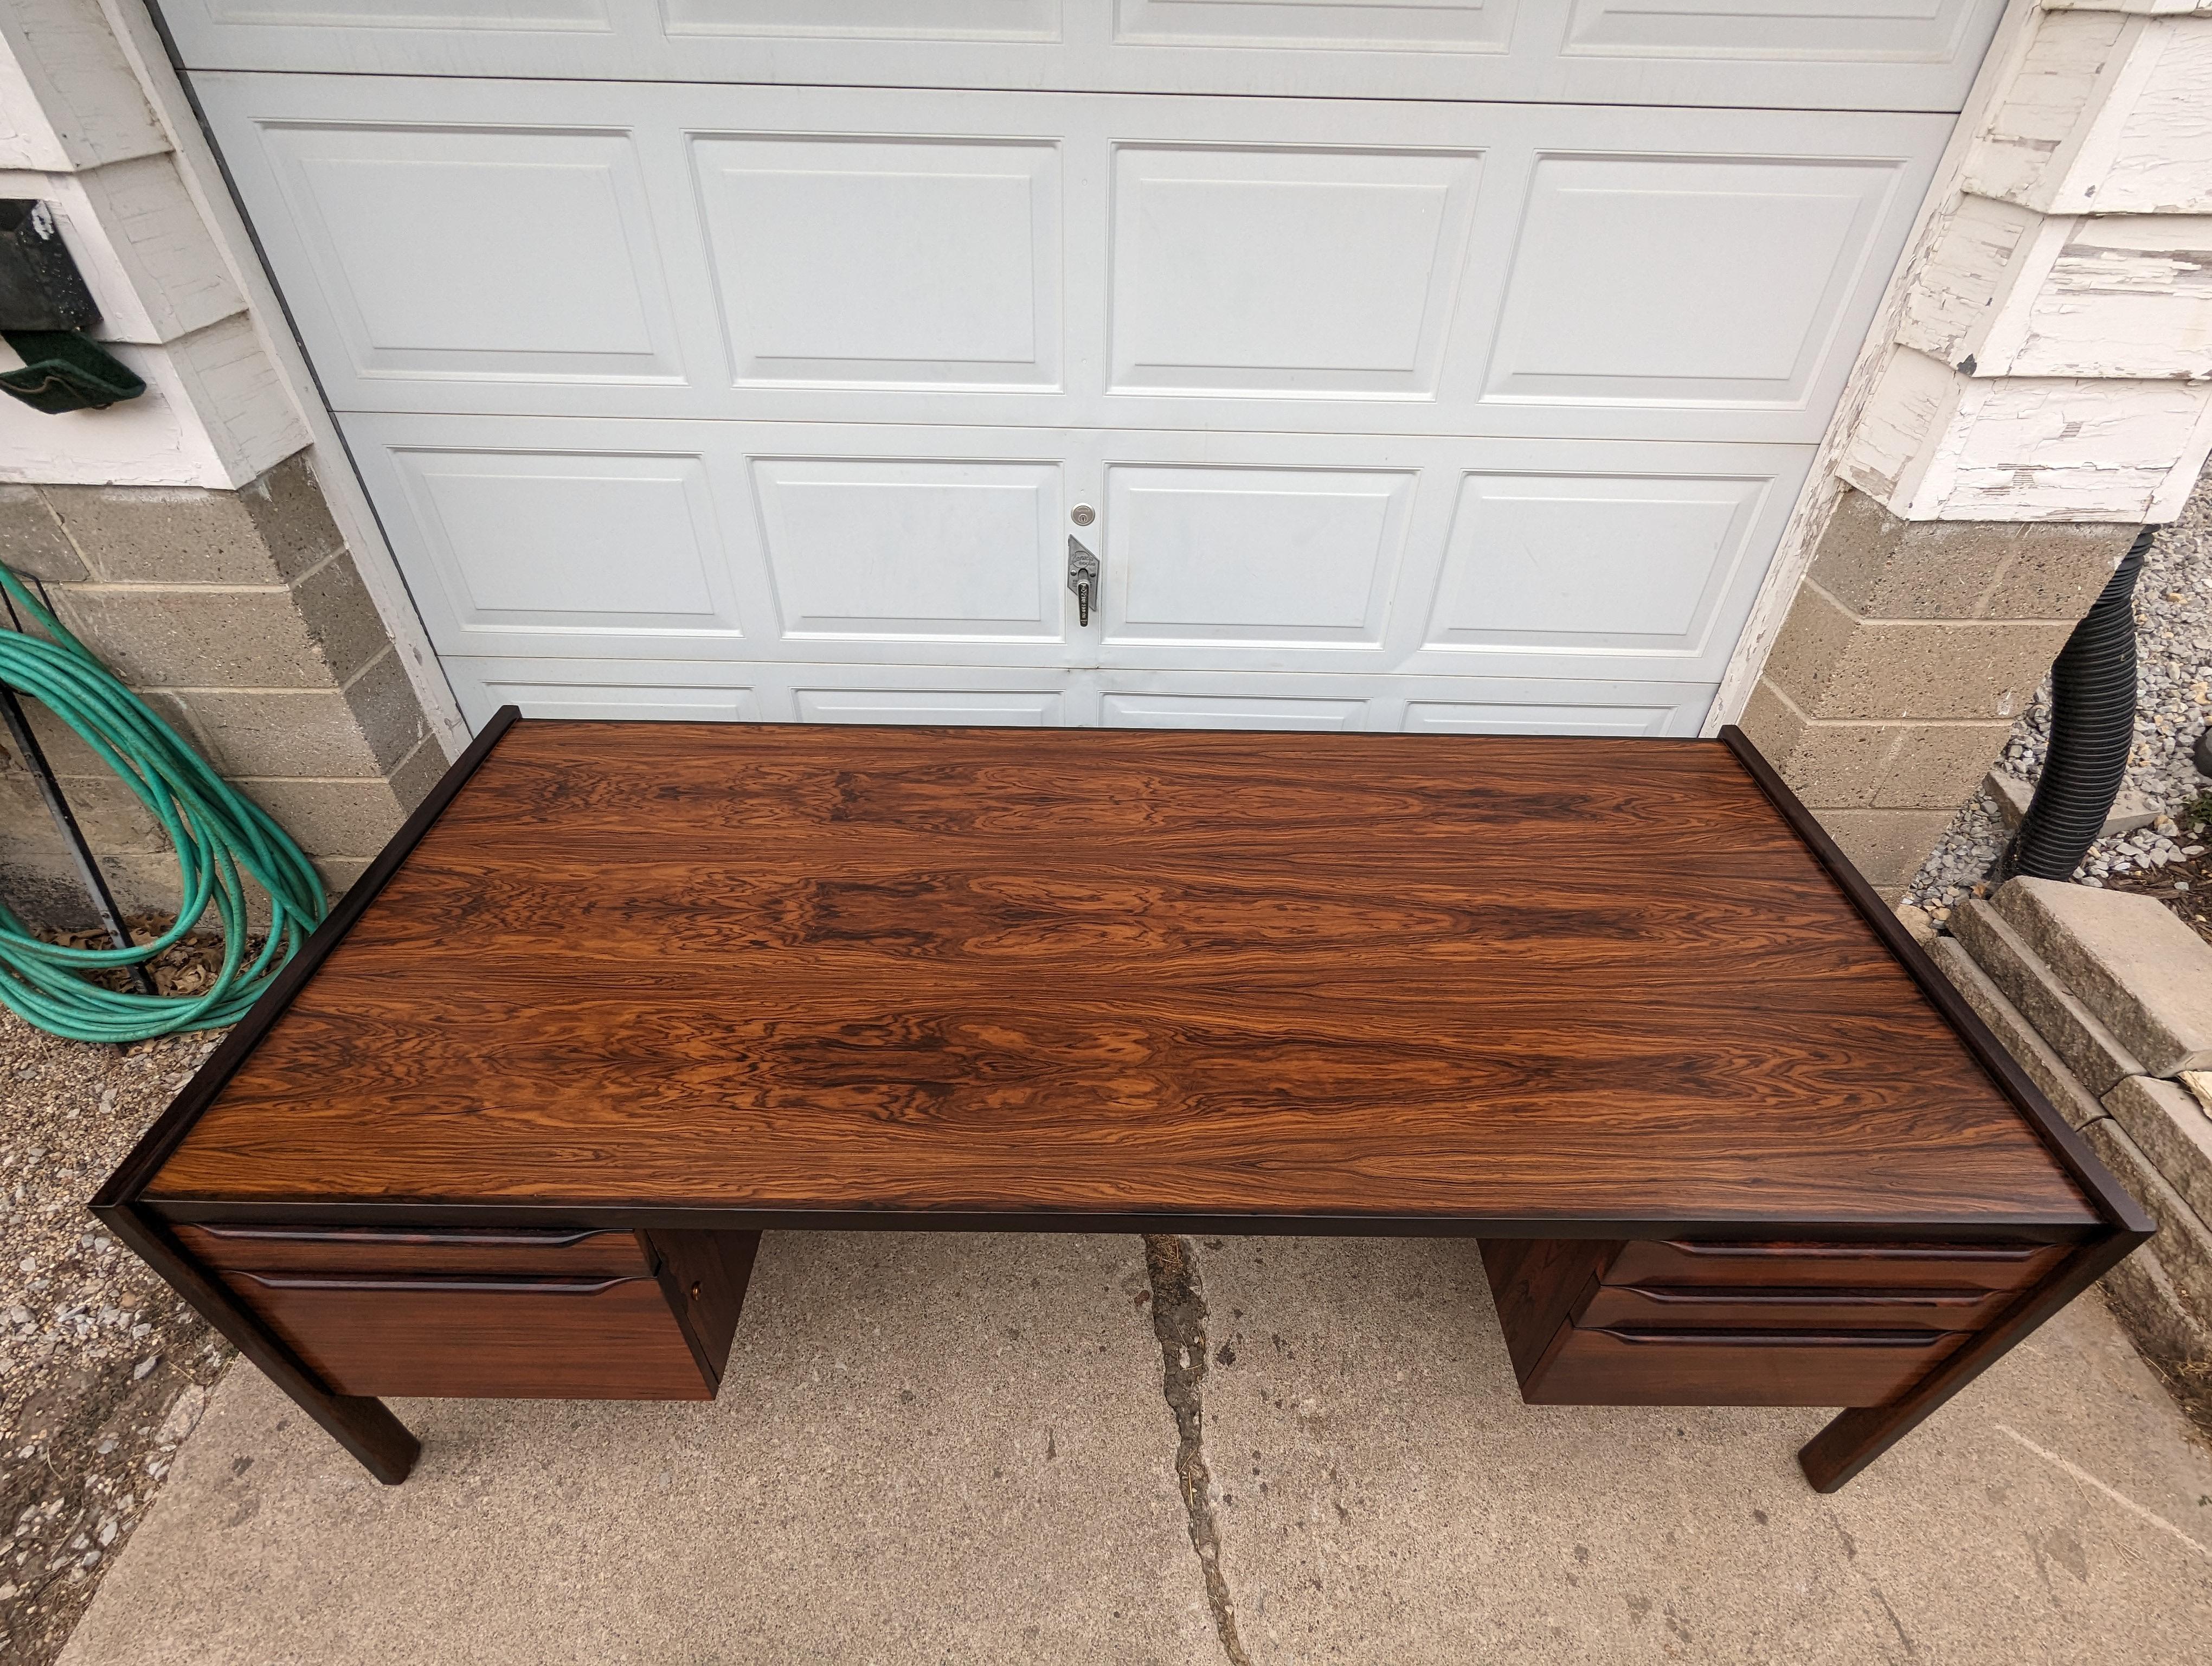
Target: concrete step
(2171, 1128)
(2142, 973)
(2074, 1033)
(2129, 809)
(2143, 1297)
(2065, 1090)
(2164, 1290)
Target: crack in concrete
(1179, 1321)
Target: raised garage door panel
(835, 255)
(1811, 54)
(873, 545)
(772, 691)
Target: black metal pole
(50, 789)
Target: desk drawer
(1729, 1307)
(603, 1338)
(1637, 1367)
(1851, 1265)
(516, 1251)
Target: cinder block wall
(238, 615)
(1911, 647)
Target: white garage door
(688, 382)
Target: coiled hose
(2093, 730)
(221, 840)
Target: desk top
(1043, 977)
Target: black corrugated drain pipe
(2093, 730)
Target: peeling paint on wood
(2006, 292)
(2145, 7)
(2071, 64)
(1936, 445)
(68, 92)
(1969, 263)
(2109, 115)
(2057, 337)
(2159, 159)
(2125, 296)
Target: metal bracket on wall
(50, 789)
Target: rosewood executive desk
(620, 996)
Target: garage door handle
(1082, 578)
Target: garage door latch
(1082, 578)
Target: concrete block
(1824, 763)
(2143, 1297)
(2056, 569)
(45, 889)
(107, 812)
(2065, 1091)
(2074, 1033)
(2184, 1244)
(1887, 846)
(1855, 550)
(1870, 765)
(2013, 795)
(70, 756)
(1832, 665)
(268, 533)
(264, 732)
(209, 638)
(32, 541)
(1935, 765)
(1880, 567)
(113, 819)
(2171, 1128)
(2131, 962)
(26, 824)
(338, 873)
(424, 768)
(341, 618)
(332, 818)
(386, 710)
(349, 818)
(1877, 566)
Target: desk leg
(363, 1426)
(1858, 1436)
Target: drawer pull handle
(1981, 1253)
(1706, 1295)
(1782, 1339)
(402, 1234)
(431, 1284)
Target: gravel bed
(103, 1370)
(2173, 693)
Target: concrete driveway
(962, 1449)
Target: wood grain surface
(1097, 972)
(1734, 1368)
(608, 1339)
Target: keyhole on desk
(695, 1290)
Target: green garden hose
(220, 840)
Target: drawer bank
(620, 996)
